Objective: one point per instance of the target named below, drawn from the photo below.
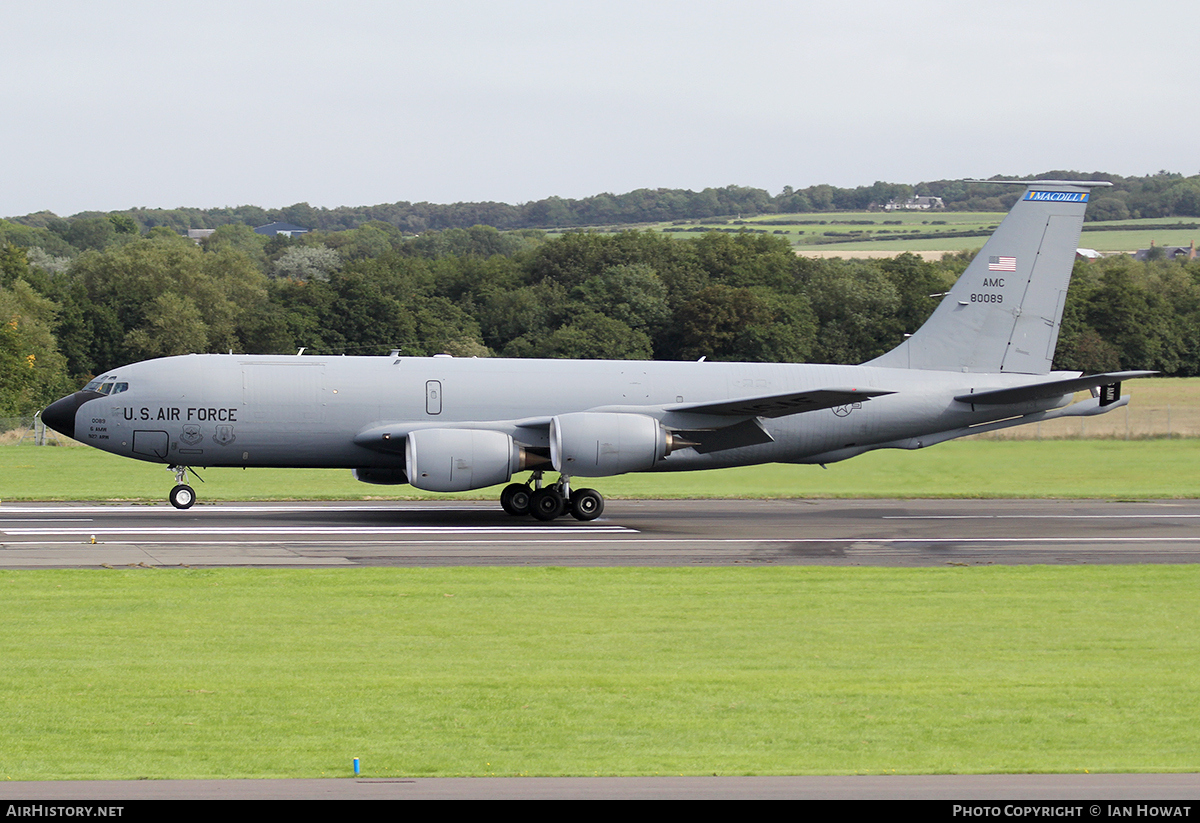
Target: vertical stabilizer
(1004, 313)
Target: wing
(779, 405)
(711, 426)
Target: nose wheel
(182, 496)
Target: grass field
(292, 673)
(1159, 407)
(1136, 469)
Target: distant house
(1168, 252)
(287, 229)
(1090, 255)
(916, 203)
(196, 235)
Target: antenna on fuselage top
(302, 348)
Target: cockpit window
(106, 385)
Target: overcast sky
(161, 104)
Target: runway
(1091, 793)
(632, 533)
(916, 533)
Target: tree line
(482, 292)
(1164, 194)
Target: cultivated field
(840, 233)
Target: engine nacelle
(457, 460)
(599, 444)
(380, 477)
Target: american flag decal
(1002, 264)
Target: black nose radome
(60, 415)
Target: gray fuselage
(242, 410)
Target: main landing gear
(182, 496)
(549, 502)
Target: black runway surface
(632, 533)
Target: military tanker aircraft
(980, 363)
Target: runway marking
(632, 538)
(305, 530)
(1033, 516)
(48, 520)
(397, 508)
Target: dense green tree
(472, 280)
(93, 233)
(1108, 208)
(725, 323)
(123, 224)
(480, 241)
(371, 240)
(123, 283)
(857, 307)
(298, 214)
(27, 237)
(367, 319)
(300, 308)
(79, 340)
(171, 324)
(524, 315)
(632, 293)
(239, 237)
(576, 256)
(746, 260)
(1080, 347)
(32, 371)
(918, 285)
(590, 336)
(1120, 312)
(14, 264)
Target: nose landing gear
(182, 496)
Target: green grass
(1136, 469)
(485, 671)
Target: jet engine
(455, 460)
(598, 444)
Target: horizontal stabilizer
(1055, 388)
(781, 405)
